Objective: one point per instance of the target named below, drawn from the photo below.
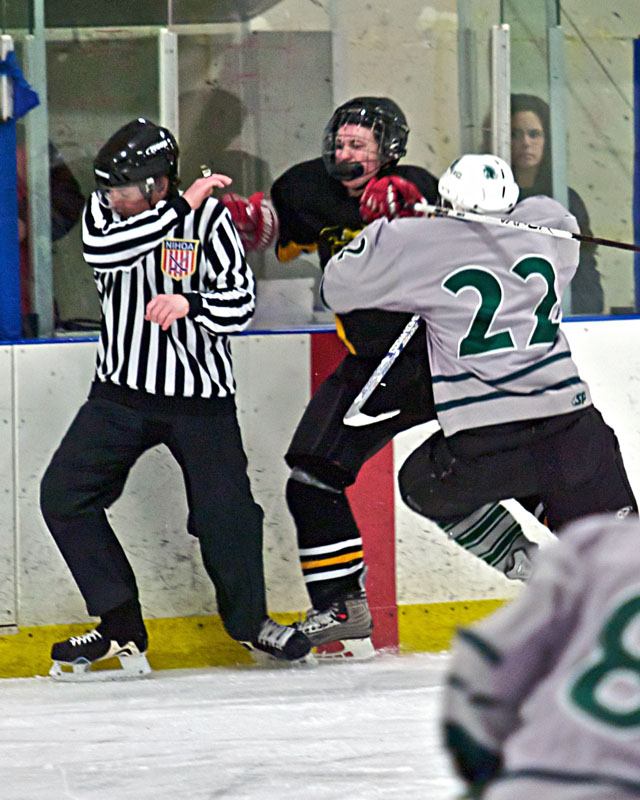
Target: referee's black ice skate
(79, 652)
(343, 630)
(280, 642)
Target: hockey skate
(518, 567)
(343, 630)
(72, 659)
(284, 643)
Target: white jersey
(552, 681)
(491, 298)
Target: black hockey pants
(88, 473)
(332, 454)
(571, 464)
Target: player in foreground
(543, 697)
(173, 283)
(516, 418)
(321, 205)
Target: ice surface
(357, 731)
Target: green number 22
(479, 338)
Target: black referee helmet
(139, 150)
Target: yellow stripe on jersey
(342, 335)
(326, 562)
(293, 249)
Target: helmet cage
(381, 115)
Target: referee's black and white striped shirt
(169, 249)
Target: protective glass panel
(15, 14)
(589, 57)
(107, 13)
(119, 83)
(255, 83)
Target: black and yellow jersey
(317, 214)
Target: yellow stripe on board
(191, 642)
(183, 642)
(325, 562)
(431, 627)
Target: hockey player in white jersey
(543, 697)
(516, 418)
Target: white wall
(7, 493)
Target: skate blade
(262, 659)
(130, 667)
(345, 649)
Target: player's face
(357, 143)
(128, 201)
(527, 140)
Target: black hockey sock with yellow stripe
(329, 542)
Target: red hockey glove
(389, 197)
(255, 219)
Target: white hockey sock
(491, 533)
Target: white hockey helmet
(482, 183)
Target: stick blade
(356, 419)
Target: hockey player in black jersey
(173, 283)
(321, 205)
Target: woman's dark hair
(531, 102)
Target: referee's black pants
(88, 473)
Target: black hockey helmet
(137, 151)
(383, 116)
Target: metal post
(340, 77)
(557, 121)
(501, 92)
(39, 193)
(557, 87)
(6, 91)
(168, 81)
(468, 82)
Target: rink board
(421, 586)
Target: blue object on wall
(24, 99)
(10, 318)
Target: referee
(173, 283)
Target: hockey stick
(438, 211)
(354, 415)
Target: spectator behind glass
(67, 202)
(531, 164)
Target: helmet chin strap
(147, 190)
